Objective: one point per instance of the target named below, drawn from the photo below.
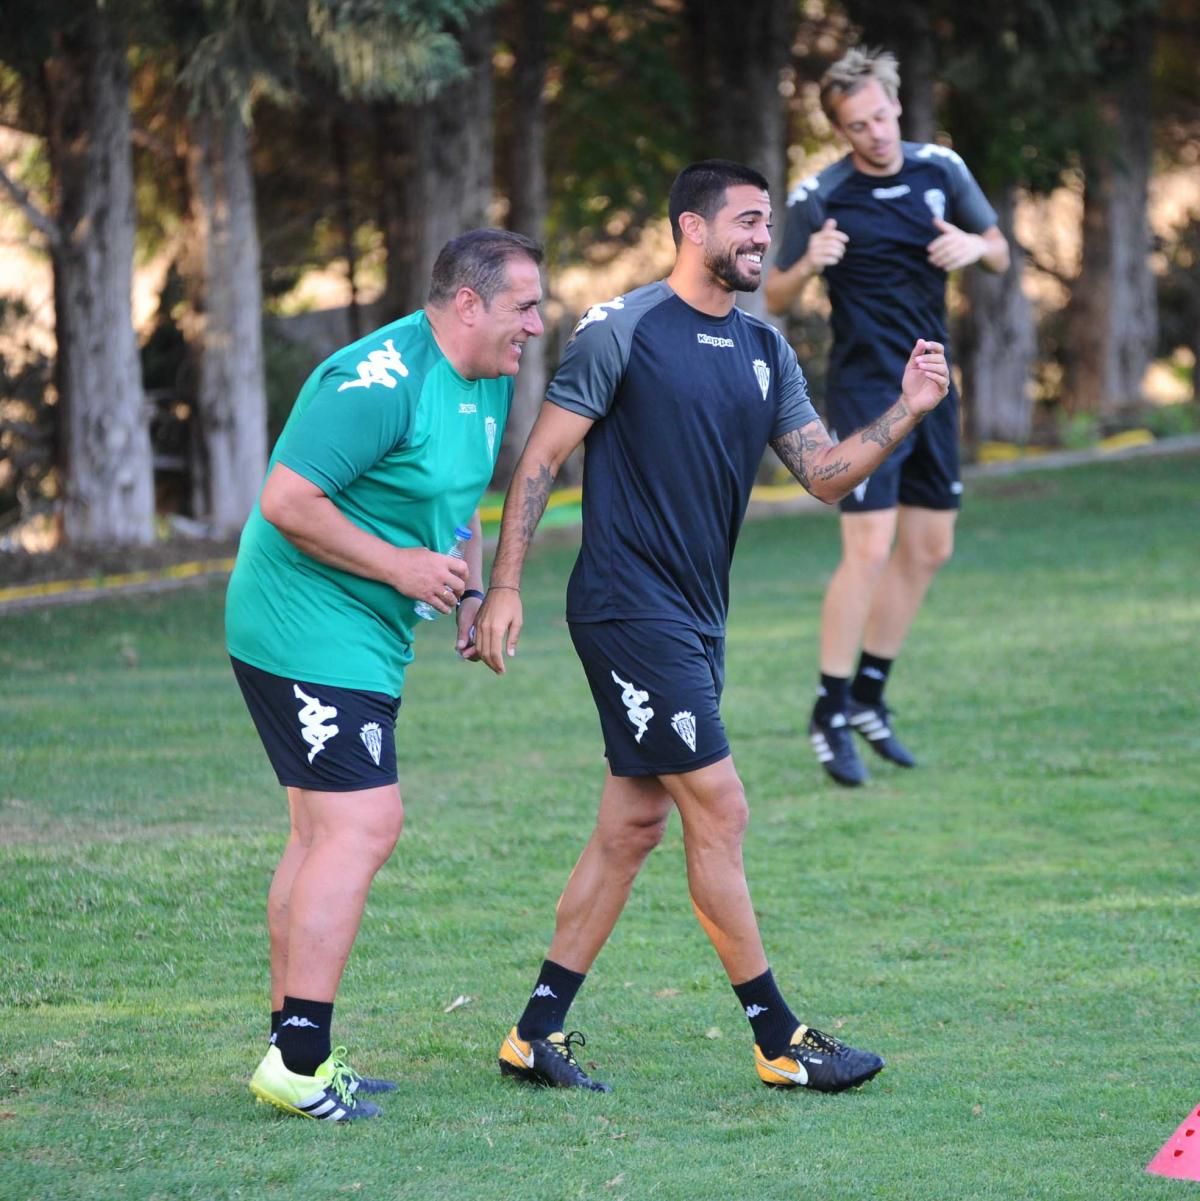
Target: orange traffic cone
(1180, 1154)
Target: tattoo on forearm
(796, 450)
(533, 503)
(829, 471)
(880, 430)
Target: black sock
(276, 1014)
(548, 1003)
(303, 1034)
(831, 696)
(872, 675)
(771, 1020)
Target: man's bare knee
(721, 818)
(633, 839)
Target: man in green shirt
(390, 444)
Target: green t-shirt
(404, 446)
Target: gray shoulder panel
(595, 358)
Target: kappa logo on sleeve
(599, 312)
(377, 368)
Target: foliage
(1046, 60)
(1179, 289)
(992, 922)
(28, 482)
(287, 366)
(617, 69)
(398, 49)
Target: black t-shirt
(684, 405)
(884, 293)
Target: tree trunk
(1112, 316)
(444, 149)
(108, 469)
(339, 138)
(528, 205)
(740, 112)
(998, 345)
(914, 49)
(224, 328)
(399, 202)
(905, 30)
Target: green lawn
(1015, 926)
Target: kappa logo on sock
(752, 1011)
(302, 1023)
(544, 990)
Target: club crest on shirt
(489, 428)
(936, 199)
(762, 373)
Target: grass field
(1015, 926)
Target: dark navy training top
(885, 294)
(684, 405)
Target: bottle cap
(462, 534)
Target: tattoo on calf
(880, 430)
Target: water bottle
(462, 536)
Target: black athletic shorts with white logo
(318, 737)
(923, 471)
(657, 687)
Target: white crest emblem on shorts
(763, 374)
(489, 428)
(313, 717)
(372, 738)
(936, 199)
(684, 724)
(634, 699)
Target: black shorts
(657, 687)
(318, 737)
(923, 471)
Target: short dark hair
(700, 188)
(478, 260)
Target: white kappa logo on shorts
(372, 739)
(313, 717)
(634, 699)
(684, 724)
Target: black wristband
(470, 592)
